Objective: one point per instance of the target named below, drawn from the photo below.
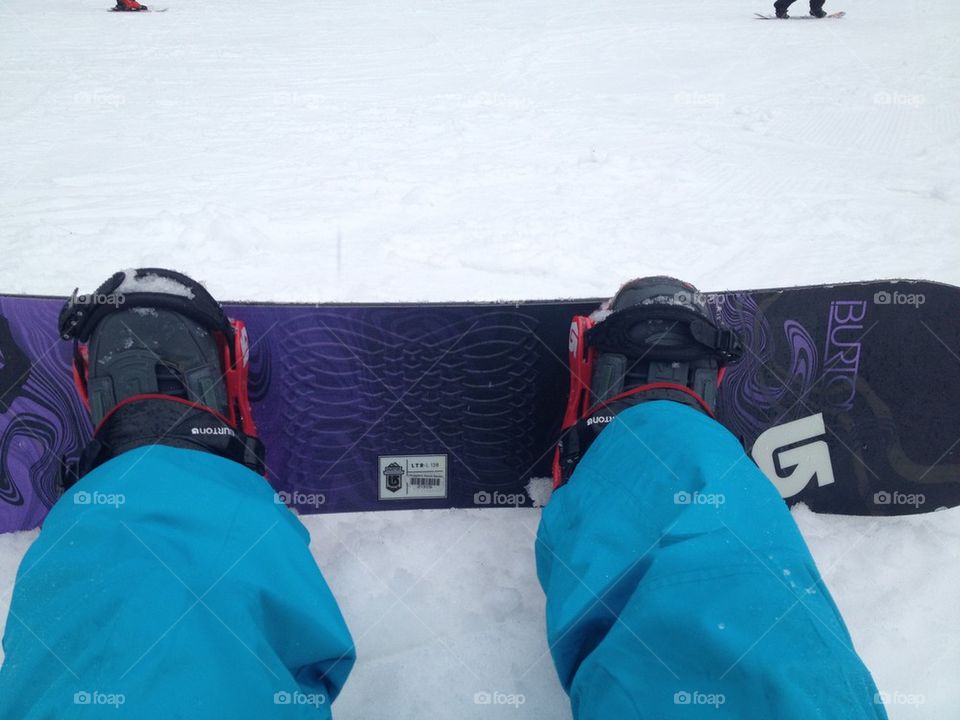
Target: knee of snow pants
(678, 585)
(168, 583)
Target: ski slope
(377, 150)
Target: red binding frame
(581, 371)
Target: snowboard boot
(780, 8)
(817, 13)
(657, 339)
(129, 6)
(157, 362)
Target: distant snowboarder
(816, 8)
(129, 6)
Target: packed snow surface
(465, 150)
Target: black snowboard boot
(818, 13)
(157, 361)
(660, 341)
(780, 8)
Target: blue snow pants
(678, 585)
(168, 584)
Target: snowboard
(847, 397)
(830, 16)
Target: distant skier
(129, 6)
(169, 581)
(816, 8)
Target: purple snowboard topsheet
(432, 406)
(479, 388)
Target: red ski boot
(129, 6)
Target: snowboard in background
(830, 16)
(848, 397)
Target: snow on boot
(657, 339)
(157, 361)
(129, 6)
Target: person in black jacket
(816, 8)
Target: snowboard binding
(657, 339)
(156, 361)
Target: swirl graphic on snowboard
(14, 369)
(42, 421)
(764, 388)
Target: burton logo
(841, 357)
(393, 472)
(792, 454)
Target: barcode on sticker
(425, 482)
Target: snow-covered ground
(474, 149)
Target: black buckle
(72, 315)
(252, 453)
(729, 345)
(723, 341)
